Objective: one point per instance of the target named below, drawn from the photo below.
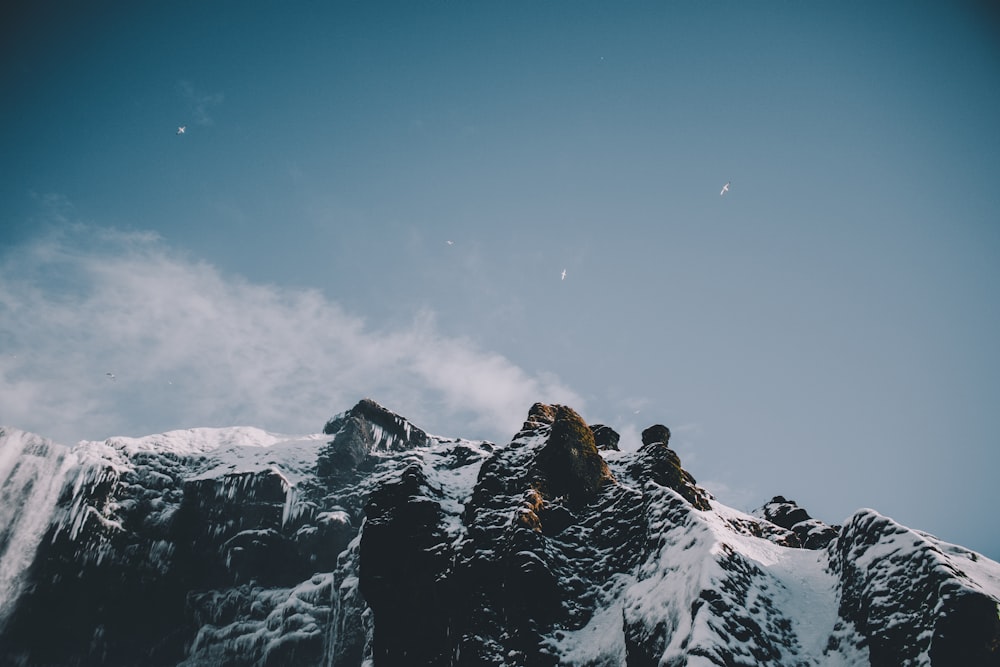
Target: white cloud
(190, 346)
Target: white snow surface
(667, 587)
(975, 571)
(794, 586)
(237, 449)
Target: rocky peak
(912, 596)
(784, 513)
(539, 415)
(657, 433)
(656, 462)
(396, 432)
(605, 437)
(812, 533)
(546, 525)
(569, 464)
(364, 430)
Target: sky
(379, 199)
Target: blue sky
(826, 331)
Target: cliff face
(376, 543)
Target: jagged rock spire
(605, 437)
(811, 533)
(657, 462)
(365, 429)
(569, 463)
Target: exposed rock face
(658, 433)
(812, 534)
(365, 429)
(569, 464)
(658, 463)
(375, 543)
(605, 437)
(525, 573)
(404, 567)
(886, 568)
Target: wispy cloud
(192, 346)
(200, 103)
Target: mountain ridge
(376, 543)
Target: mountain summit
(376, 543)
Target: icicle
(333, 626)
(32, 472)
(290, 509)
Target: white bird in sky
(181, 129)
(563, 275)
(111, 376)
(450, 242)
(725, 188)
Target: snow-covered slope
(375, 543)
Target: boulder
(569, 464)
(605, 437)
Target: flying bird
(111, 376)
(450, 242)
(563, 275)
(181, 129)
(725, 188)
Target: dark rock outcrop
(890, 573)
(657, 433)
(364, 430)
(569, 463)
(404, 564)
(526, 572)
(656, 462)
(811, 533)
(605, 437)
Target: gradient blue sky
(827, 330)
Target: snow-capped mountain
(375, 543)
